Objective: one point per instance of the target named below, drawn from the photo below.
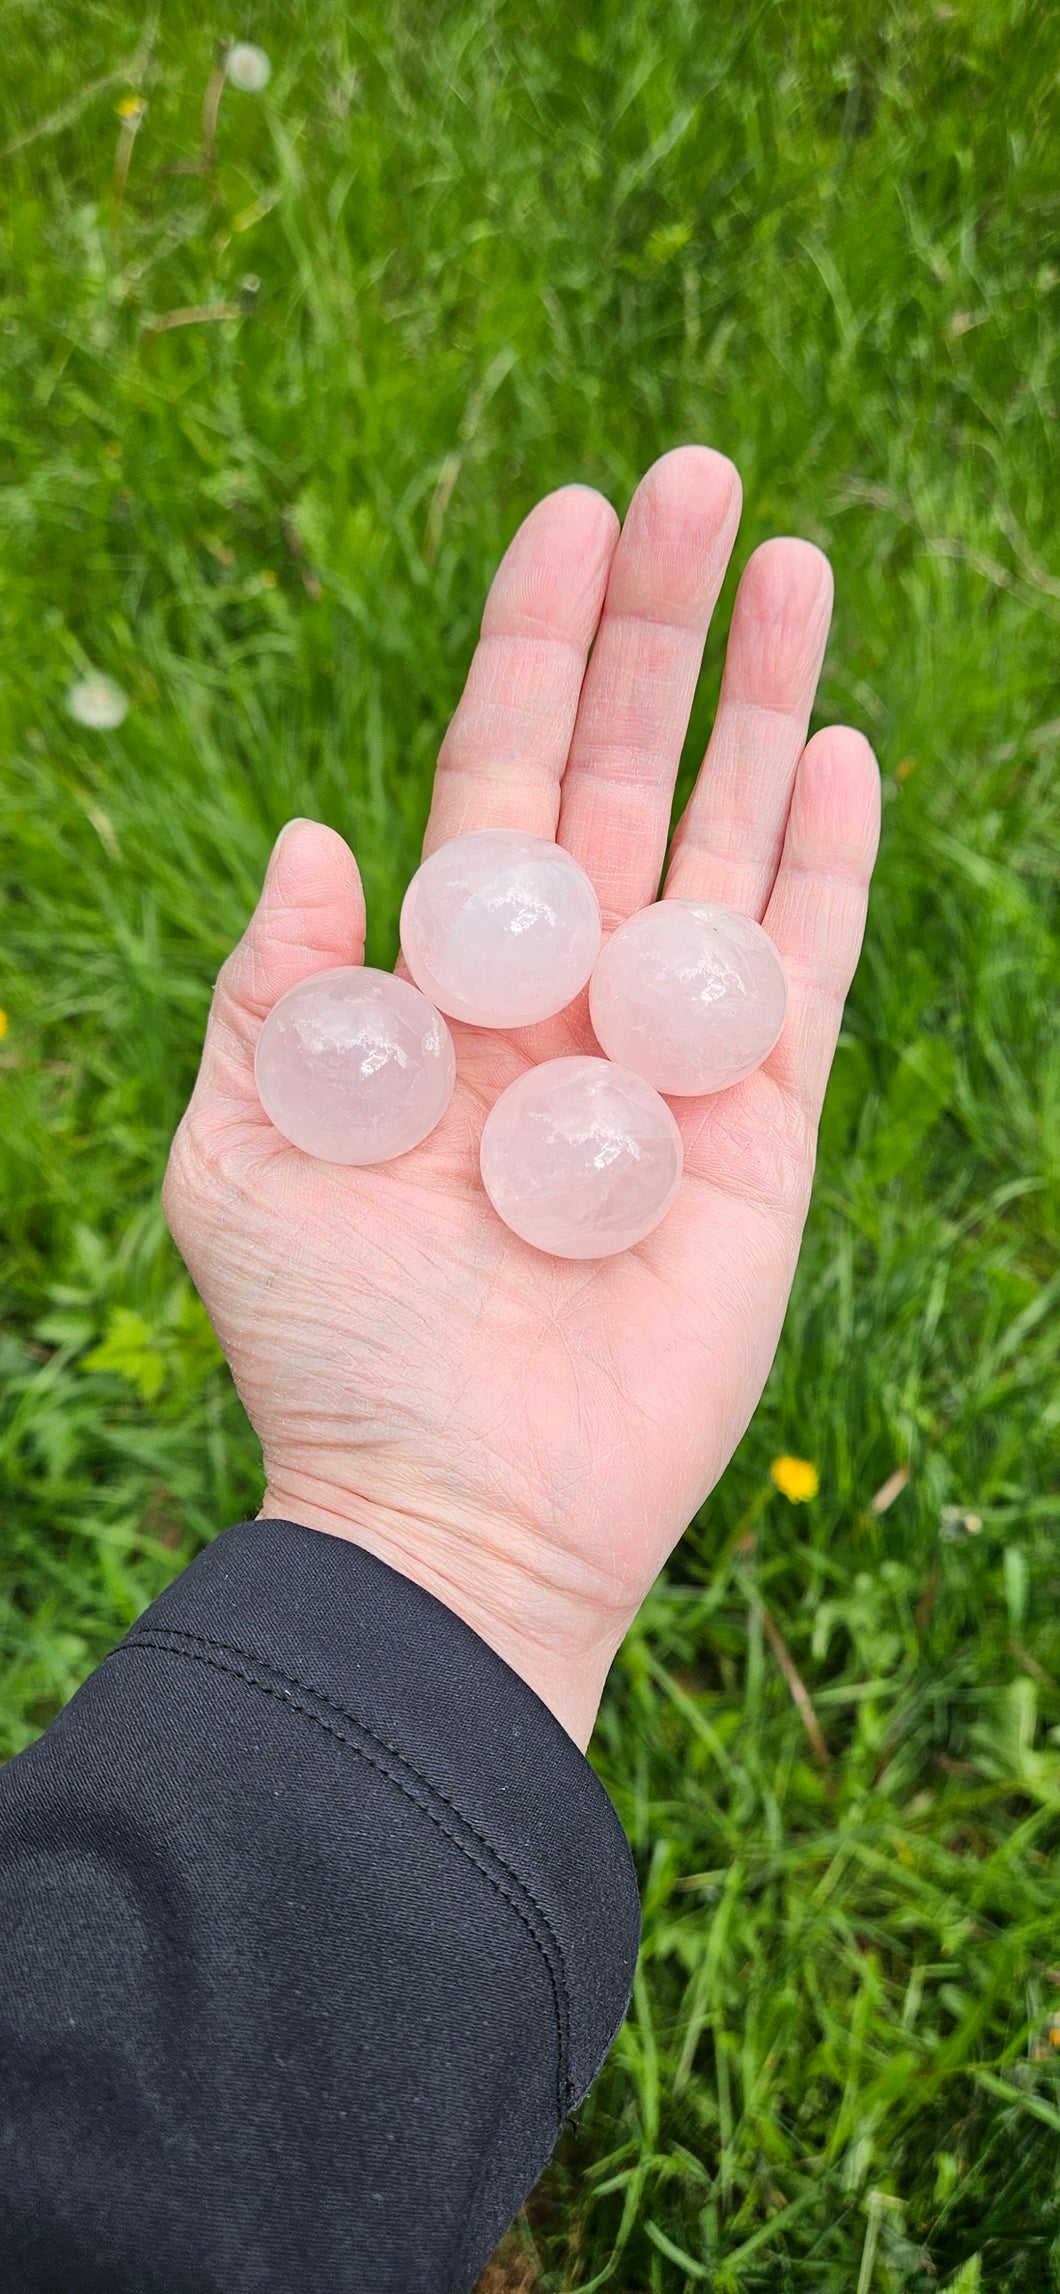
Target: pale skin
(528, 1437)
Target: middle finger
(637, 696)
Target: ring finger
(728, 841)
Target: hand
(528, 1436)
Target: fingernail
(301, 820)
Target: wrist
(556, 1645)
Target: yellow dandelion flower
(3, 1025)
(1054, 2032)
(130, 107)
(795, 1478)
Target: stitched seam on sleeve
(281, 1687)
(173, 1635)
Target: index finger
(503, 756)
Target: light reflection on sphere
(500, 929)
(581, 1158)
(354, 1066)
(689, 994)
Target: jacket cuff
(322, 1623)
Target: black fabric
(314, 1925)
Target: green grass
(498, 248)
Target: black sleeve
(314, 1926)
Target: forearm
(317, 1925)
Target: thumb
(310, 917)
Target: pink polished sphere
(690, 995)
(500, 929)
(581, 1158)
(354, 1066)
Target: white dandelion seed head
(248, 67)
(97, 701)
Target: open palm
(528, 1436)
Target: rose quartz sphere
(690, 995)
(354, 1066)
(500, 929)
(581, 1158)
